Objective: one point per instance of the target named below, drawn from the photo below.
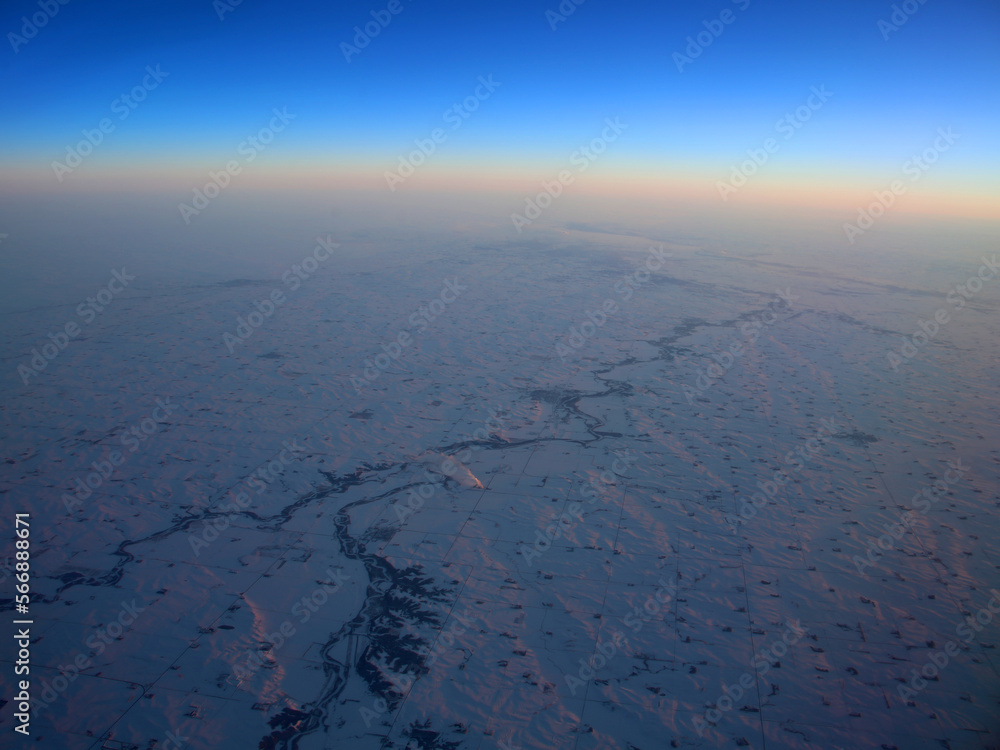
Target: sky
(356, 106)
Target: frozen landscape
(589, 486)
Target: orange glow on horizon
(518, 181)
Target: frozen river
(578, 489)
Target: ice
(495, 543)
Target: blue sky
(939, 69)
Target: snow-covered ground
(498, 492)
